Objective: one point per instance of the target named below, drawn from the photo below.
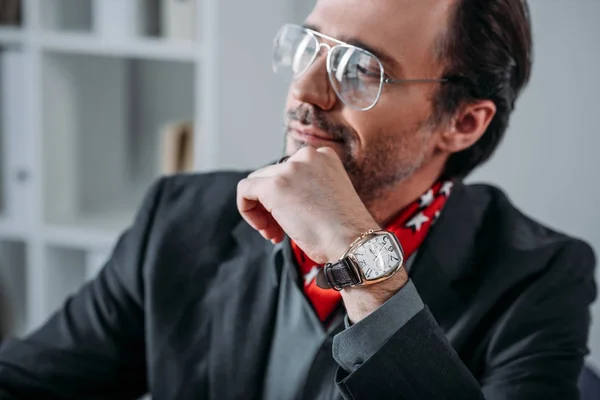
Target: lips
(310, 133)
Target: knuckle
(326, 150)
(312, 156)
(328, 153)
(241, 184)
(292, 168)
(281, 181)
(307, 152)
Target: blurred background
(100, 97)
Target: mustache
(307, 115)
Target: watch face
(378, 256)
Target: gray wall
(549, 163)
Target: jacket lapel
(244, 325)
(447, 256)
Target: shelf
(66, 15)
(140, 48)
(90, 232)
(66, 273)
(16, 198)
(93, 102)
(10, 230)
(13, 288)
(99, 161)
(11, 35)
(81, 238)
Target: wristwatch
(374, 257)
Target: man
(381, 276)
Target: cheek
(366, 124)
(390, 134)
(372, 125)
(407, 105)
(392, 114)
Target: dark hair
(488, 45)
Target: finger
(330, 153)
(271, 170)
(250, 193)
(306, 154)
(261, 220)
(318, 156)
(249, 203)
(254, 212)
(269, 227)
(279, 238)
(327, 151)
(273, 233)
(334, 160)
(253, 201)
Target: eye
(368, 72)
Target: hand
(311, 199)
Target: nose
(313, 86)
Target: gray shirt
(305, 353)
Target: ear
(468, 125)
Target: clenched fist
(311, 199)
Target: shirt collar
(281, 256)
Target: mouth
(309, 134)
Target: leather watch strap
(337, 275)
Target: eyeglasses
(356, 75)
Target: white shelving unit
(81, 117)
(10, 35)
(147, 49)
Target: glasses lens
(294, 50)
(356, 76)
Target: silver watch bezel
(359, 273)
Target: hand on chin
(310, 198)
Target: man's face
(385, 145)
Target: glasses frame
(340, 44)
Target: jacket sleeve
(535, 351)
(94, 346)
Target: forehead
(406, 30)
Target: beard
(387, 160)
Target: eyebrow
(382, 55)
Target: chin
(293, 145)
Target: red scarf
(410, 227)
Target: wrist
(344, 238)
(361, 301)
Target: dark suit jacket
(185, 308)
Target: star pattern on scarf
(416, 223)
(311, 275)
(447, 188)
(426, 199)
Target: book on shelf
(178, 19)
(177, 148)
(10, 12)
(172, 19)
(120, 18)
